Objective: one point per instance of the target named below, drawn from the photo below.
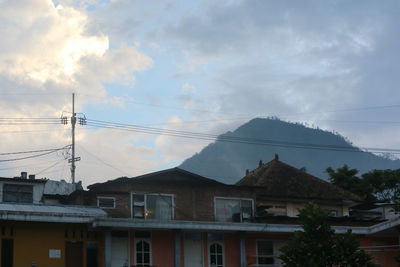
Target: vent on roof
(24, 175)
(31, 177)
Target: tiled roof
(168, 176)
(278, 179)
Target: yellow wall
(32, 241)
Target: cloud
(48, 52)
(284, 58)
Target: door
(73, 254)
(91, 255)
(193, 250)
(7, 252)
(119, 251)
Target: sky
(196, 66)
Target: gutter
(221, 226)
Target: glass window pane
(219, 248)
(146, 258)
(139, 258)
(227, 210)
(138, 212)
(212, 249)
(159, 207)
(213, 259)
(139, 246)
(265, 248)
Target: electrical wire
(232, 139)
(49, 167)
(33, 156)
(34, 151)
(102, 161)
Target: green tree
(318, 245)
(383, 185)
(347, 179)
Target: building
(37, 230)
(174, 218)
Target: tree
(382, 185)
(347, 179)
(318, 245)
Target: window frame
(273, 255)
(240, 203)
(143, 239)
(172, 196)
(17, 192)
(101, 197)
(221, 243)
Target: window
(142, 249)
(233, 210)
(17, 193)
(106, 202)
(216, 255)
(265, 252)
(152, 206)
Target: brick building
(174, 218)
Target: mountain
(227, 162)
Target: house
(170, 218)
(174, 218)
(284, 190)
(37, 230)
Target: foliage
(318, 245)
(383, 185)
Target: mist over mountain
(227, 162)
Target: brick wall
(193, 201)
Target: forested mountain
(227, 161)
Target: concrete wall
(32, 242)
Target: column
(242, 249)
(107, 249)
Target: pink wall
(162, 248)
(232, 250)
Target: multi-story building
(174, 218)
(36, 230)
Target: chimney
(260, 163)
(276, 157)
(247, 171)
(31, 177)
(24, 175)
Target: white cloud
(46, 53)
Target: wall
(192, 202)
(32, 241)
(38, 189)
(375, 246)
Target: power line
(33, 151)
(49, 167)
(33, 156)
(102, 161)
(232, 139)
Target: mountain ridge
(227, 162)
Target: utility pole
(73, 123)
(82, 121)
